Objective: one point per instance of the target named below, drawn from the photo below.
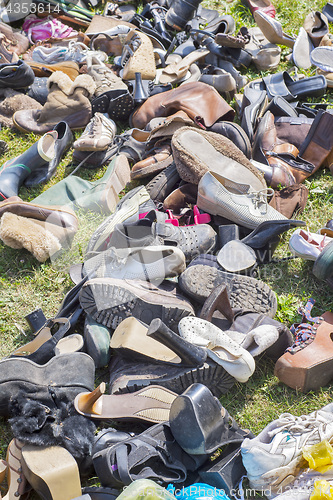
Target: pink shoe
(42, 29)
(262, 5)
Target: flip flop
(151, 404)
(174, 72)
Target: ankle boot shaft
(319, 141)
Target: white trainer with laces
(273, 458)
(98, 134)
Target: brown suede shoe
(70, 68)
(291, 200)
(67, 101)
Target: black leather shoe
(200, 424)
(62, 144)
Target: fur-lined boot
(67, 101)
(35, 423)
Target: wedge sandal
(51, 471)
(151, 404)
(153, 454)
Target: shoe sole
(211, 375)
(244, 292)
(117, 302)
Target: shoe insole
(131, 336)
(151, 404)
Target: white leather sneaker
(273, 458)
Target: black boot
(62, 144)
(180, 12)
(15, 171)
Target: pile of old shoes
(166, 294)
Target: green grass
(26, 284)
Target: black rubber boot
(180, 12)
(15, 171)
(62, 144)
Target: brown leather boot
(67, 101)
(280, 162)
(319, 141)
(201, 102)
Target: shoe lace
(91, 128)
(305, 424)
(259, 198)
(304, 332)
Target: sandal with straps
(18, 486)
(153, 454)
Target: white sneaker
(308, 245)
(302, 487)
(220, 347)
(272, 459)
(76, 51)
(98, 134)
(152, 263)
(237, 202)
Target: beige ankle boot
(67, 100)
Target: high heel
(268, 231)
(51, 471)
(150, 404)
(17, 484)
(157, 344)
(190, 354)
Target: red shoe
(262, 5)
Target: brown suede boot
(67, 100)
(319, 141)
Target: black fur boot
(37, 424)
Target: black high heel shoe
(268, 231)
